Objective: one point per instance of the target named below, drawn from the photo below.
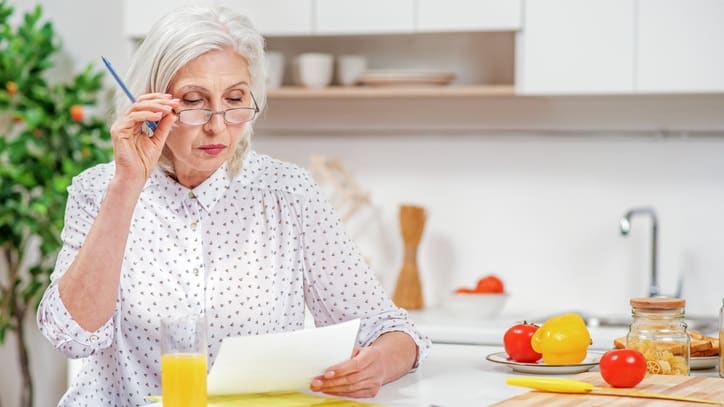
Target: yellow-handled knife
(558, 385)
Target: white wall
(87, 29)
(540, 210)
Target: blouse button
(93, 338)
(193, 225)
(196, 272)
(192, 195)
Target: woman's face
(217, 80)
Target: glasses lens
(239, 115)
(194, 116)
(197, 117)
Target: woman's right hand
(135, 153)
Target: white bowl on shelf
(313, 70)
(474, 305)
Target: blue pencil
(151, 125)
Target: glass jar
(659, 332)
(721, 339)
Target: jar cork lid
(658, 303)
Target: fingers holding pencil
(135, 153)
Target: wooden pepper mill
(408, 292)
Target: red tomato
(623, 367)
(517, 343)
(489, 284)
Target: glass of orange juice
(183, 361)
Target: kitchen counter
(453, 375)
(459, 375)
(456, 372)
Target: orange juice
(183, 380)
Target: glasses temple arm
(256, 105)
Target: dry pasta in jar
(658, 331)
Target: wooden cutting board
(710, 388)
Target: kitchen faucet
(625, 226)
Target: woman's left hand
(360, 376)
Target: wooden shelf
(352, 92)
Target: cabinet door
(140, 15)
(466, 15)
(364, 17)
(576, 47)
(680, 46)
(275, 17)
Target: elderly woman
(191, 221)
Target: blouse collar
(208, 193)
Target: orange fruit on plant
(12, 88)
(76, 113)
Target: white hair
(183, 35)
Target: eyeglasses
(237, 115)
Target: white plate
(703, 362)
(539, 367)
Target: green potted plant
(46, 138)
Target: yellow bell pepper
(563, 340)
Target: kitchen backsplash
(540, 211)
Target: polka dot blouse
(248, 252)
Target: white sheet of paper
(280, 362)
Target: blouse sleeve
(339, 284)
(54, 320)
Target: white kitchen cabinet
(680, 46)
(466, 15)
(271, 17)
(576, 47)
(140, 15)
(364, 17)
(275, 17)
(333, 17)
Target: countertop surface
(456, 373)
(459, 375)
(453, 375)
